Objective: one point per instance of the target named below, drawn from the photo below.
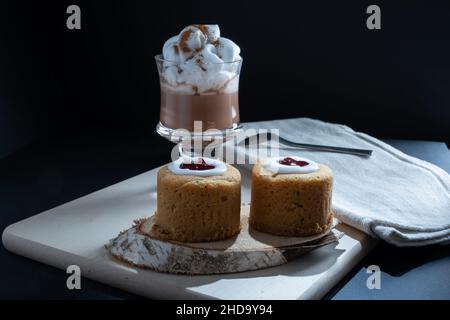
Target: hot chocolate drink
(199, 73)
(216, 110)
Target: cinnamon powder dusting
(184, 37)
(200, 64)
(203, 28)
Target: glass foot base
(179, 135)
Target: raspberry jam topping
(200, 165)
(288, 161)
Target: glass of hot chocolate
(199, 80)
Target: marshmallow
(203, 60)
(171, 50)
(210, 55)
(190, 74)
(191, 39)
(228, 50)
(170, 74)
(212, 32)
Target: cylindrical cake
(195, 208)
(291, 204)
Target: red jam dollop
(288, 161)
(201, 165)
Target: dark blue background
(310, 58)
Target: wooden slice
(249, 250)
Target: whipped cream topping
(176, 166)
(199, 60)
(273, 165)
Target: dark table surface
(52, 172)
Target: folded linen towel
(398, 198)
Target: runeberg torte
(198, 201)
(291, 196)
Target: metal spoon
(354, 151)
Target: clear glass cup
(199, 98)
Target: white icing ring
(219, 167)
(273, 165)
